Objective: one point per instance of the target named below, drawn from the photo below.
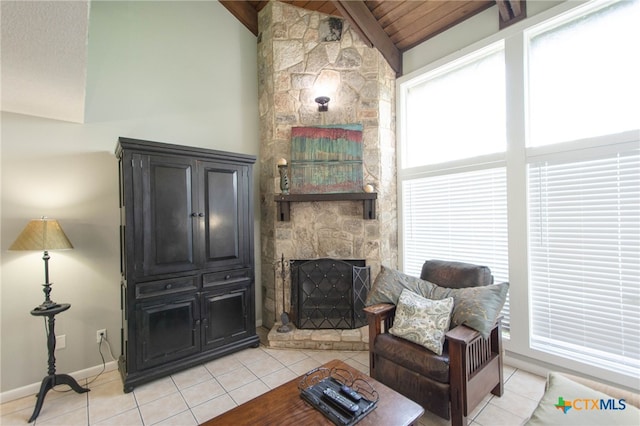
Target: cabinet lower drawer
(226, 277)
(165, 287)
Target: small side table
(52, 379)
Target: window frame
(516, 158)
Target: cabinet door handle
(227, 277)
(201, 214)
(168, 287)
(194, 214)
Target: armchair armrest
(461, 334)
(379, 309)
(377, 315)
(474, 364)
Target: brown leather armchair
(450, 385)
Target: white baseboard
(34, 388)
(526, 366)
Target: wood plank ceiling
(392, 26)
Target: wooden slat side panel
(258, 5)
(380, 8)
(416, 19)
(417, 25)
(405, 10)
(326, 7)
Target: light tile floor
(200, 393)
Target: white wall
(178, 72)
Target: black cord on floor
(101, 356)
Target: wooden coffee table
(283, 406)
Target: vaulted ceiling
(392, 26)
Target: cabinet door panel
(225, 316)
(225, 228)
(169, 329)
(169, 228)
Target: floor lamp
(47, 234)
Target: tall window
(454, 187)
(584, 187)
(457, 111)
(573, 150)
(583, 75)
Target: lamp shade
(42, 234)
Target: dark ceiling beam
(511, 11)
(244, 12)
(367, 26)
(516, 7)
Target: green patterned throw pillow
(421, 320)
(475, 307)
(389, 284)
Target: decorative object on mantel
(283, 266)
(326, 159)
(368, 188)
(284, 178)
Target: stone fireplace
(297, 62)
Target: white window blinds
(584, 225)
(460, 217)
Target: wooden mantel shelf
(368, 202)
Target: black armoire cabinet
(188, 289)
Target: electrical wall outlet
(101, 334)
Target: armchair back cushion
(451, 274)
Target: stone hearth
(338, 340)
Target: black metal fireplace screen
(329, 293)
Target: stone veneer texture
(336, 340)
(294, 67)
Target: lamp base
(48, 303)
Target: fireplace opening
(329, 293)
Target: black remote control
(351, 394)
(341, 400)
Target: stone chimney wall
(295, 65)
